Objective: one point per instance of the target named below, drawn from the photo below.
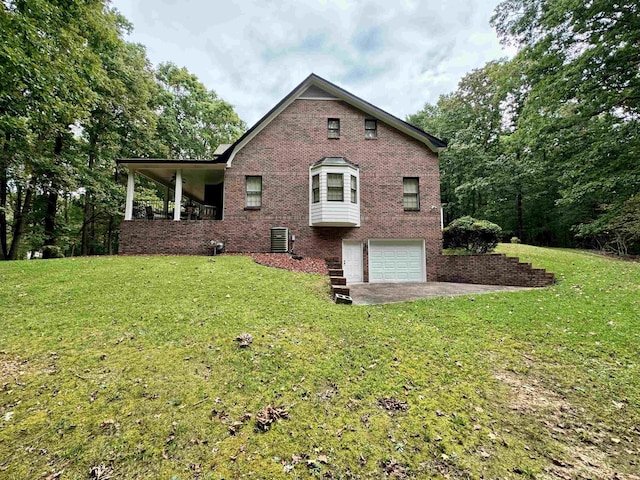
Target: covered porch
(191, 189)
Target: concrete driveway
(376, 293)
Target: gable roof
(314, 83)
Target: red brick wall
(168, 237)
(496, 269)
(282, 153)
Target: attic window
(333, 128)
(370, 128)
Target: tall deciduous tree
(583, 60)
(548, 143)
(193, 120)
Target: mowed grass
(127, 366)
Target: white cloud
(252, 53)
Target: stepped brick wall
(494, 269)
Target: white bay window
(334, 199)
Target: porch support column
(128, 208)
(166, 203)
(178, 199)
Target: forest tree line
(547, 144)
(74, 97)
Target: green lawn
(127, 366)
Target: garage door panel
(396, 261)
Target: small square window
(315, 188)
(370, 128)
(254, 192)
(333, 128)
(335, 187)
(411, 197)
(354, 189)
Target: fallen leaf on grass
(244, 340)
(393, 469)
(101, 472)
(269, 414)
(392, 404)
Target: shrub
(515, 240)
(475, 236)
(52, 251)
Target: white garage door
(396, 261)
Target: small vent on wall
(279, 240)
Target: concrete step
(337, 289)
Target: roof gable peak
(316, 87)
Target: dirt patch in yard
(529, 397)
(563, 423)
(288, 262)
(11, 368)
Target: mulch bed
(286, 262)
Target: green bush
(515, 240)
(475, 236)
(52, 251)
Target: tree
(193, 121)
(121, 123)
(44, 68)
(582, 60)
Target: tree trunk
(110, 236)
(20, 211)
(52, 203)
(88, 208)
(3, 196)
(519, 214)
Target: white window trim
(248, 192)
(347, 172)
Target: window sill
(411, 209)
(252, 208)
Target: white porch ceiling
(193, 179)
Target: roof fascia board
(379, 114)
(258, 127)
(136, 164)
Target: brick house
(324, 173)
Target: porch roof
(195, 173)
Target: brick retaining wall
(494, 269)
(168, 237)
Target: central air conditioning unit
(279, 239)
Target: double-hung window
(315, 188)
(335, 187)
(354, 189)
(370, 128)
(333, 128)
(411, 190)
(254, 192)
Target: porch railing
(154, 210)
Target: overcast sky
(395, 54)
